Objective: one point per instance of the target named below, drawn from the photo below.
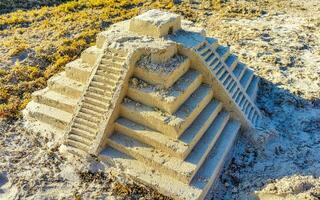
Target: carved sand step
(77, 144)
(223, 52)
(76, 151)
(80, 138)
(90, 55)
(55, 100)
(107, 68)
(90, 130)
(99, 97)
(85, 122)
(110, 66)
(200, 183)
(100, 85)
(246, 78)
(83, 133)
(49, 115)
(213, 42)
(93, 108)
(253, 87)
(95, 102)
(232, 61)
(239, 70)
(89, 117)
(165, 74)
(167, 100)
(66, 86)
(78, 71)
(104, 78)
(176, 147)
(184, 170)
(172, 125)
(119, 59)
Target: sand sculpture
(156, 96)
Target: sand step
(221, 72)
(105, 97)
(91, 55)
(183, 170)
(253, 87)
(85, 123)
(115, 58)
(96, 90)
(246, 78)
(109, 68)
(82, 133)
(223, 52)
(54, 99)
(227, 80)
(213, 63)
(213, 42)
(93, 108)
(203, 49)
(75, 151)
(219, 66)
(232, 61)
(176, 147)
(89, 117)
(206, 53)
(95, 102)
(210, 57)
(50, 115)
(105, 78)
(164, 78)
(66, 86)
(77, 144)
(230, 85)
(214, 163)
(172, 125)
(201, 182)
(91, 112)
(79, 138)
(167, 100)
(108, 71)
(77, 70)
(100, 85)
(110, 62)
(102, 76)
(239, 70)
(223, 76)
(85, 128)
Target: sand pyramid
(156, 96)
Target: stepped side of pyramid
(157, 97)
(51, 109)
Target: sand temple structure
(157, 97)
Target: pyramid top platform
(155, 23)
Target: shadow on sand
(291, 147)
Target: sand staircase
(236, 80)
(166, 130)
(91, 117)
(239, 80)
(51, 109)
